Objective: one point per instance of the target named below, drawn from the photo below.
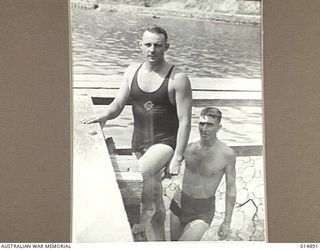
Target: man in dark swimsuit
(161, 101)
(206, 162)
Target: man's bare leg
(194, 231)
(150, 164)
(159, 217)
(176, 229)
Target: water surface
(105, 43)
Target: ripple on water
(231, 133)
(201, 48)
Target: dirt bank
(235, 11)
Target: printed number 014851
(309, 245)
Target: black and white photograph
(167, 121)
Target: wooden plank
(226, 103)
(204, 83)
(197, 102)
(248, 150)
(130, 184)
(200, 98)
(226, 84)
(240, 150)
(227, 95)
(206, 91)
(94, 184)
(128, 177)
(200, 94)
(129, 180)
(84, 4)
(125, 163)
(87, 79)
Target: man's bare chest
(205, 164)
(153, 83)
(150, 82)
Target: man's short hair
(158, 30)
(213, 112)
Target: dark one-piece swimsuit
(155, 117)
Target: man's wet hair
(158, 30)
(213, 112)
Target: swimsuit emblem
(148, 105)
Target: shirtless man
(161, 100)
(206, 162)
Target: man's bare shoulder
(179, 78)
(130, 71)
(227, 151)
(132, 68)
(177, 74)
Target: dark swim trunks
(155, 117)
(189, 209)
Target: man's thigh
(154, 159)
(176, 229)
(194, 230)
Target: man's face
(208, 127)
(153, 46)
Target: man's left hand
(174, 167)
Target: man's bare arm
(231, 192)
(183, 98)
(117, 105)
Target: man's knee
(194, 230)
(152, 192)
(160, 215)
(198, 223)
(154, 159)
(149, 174)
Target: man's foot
(143, 230)
(140, 232)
